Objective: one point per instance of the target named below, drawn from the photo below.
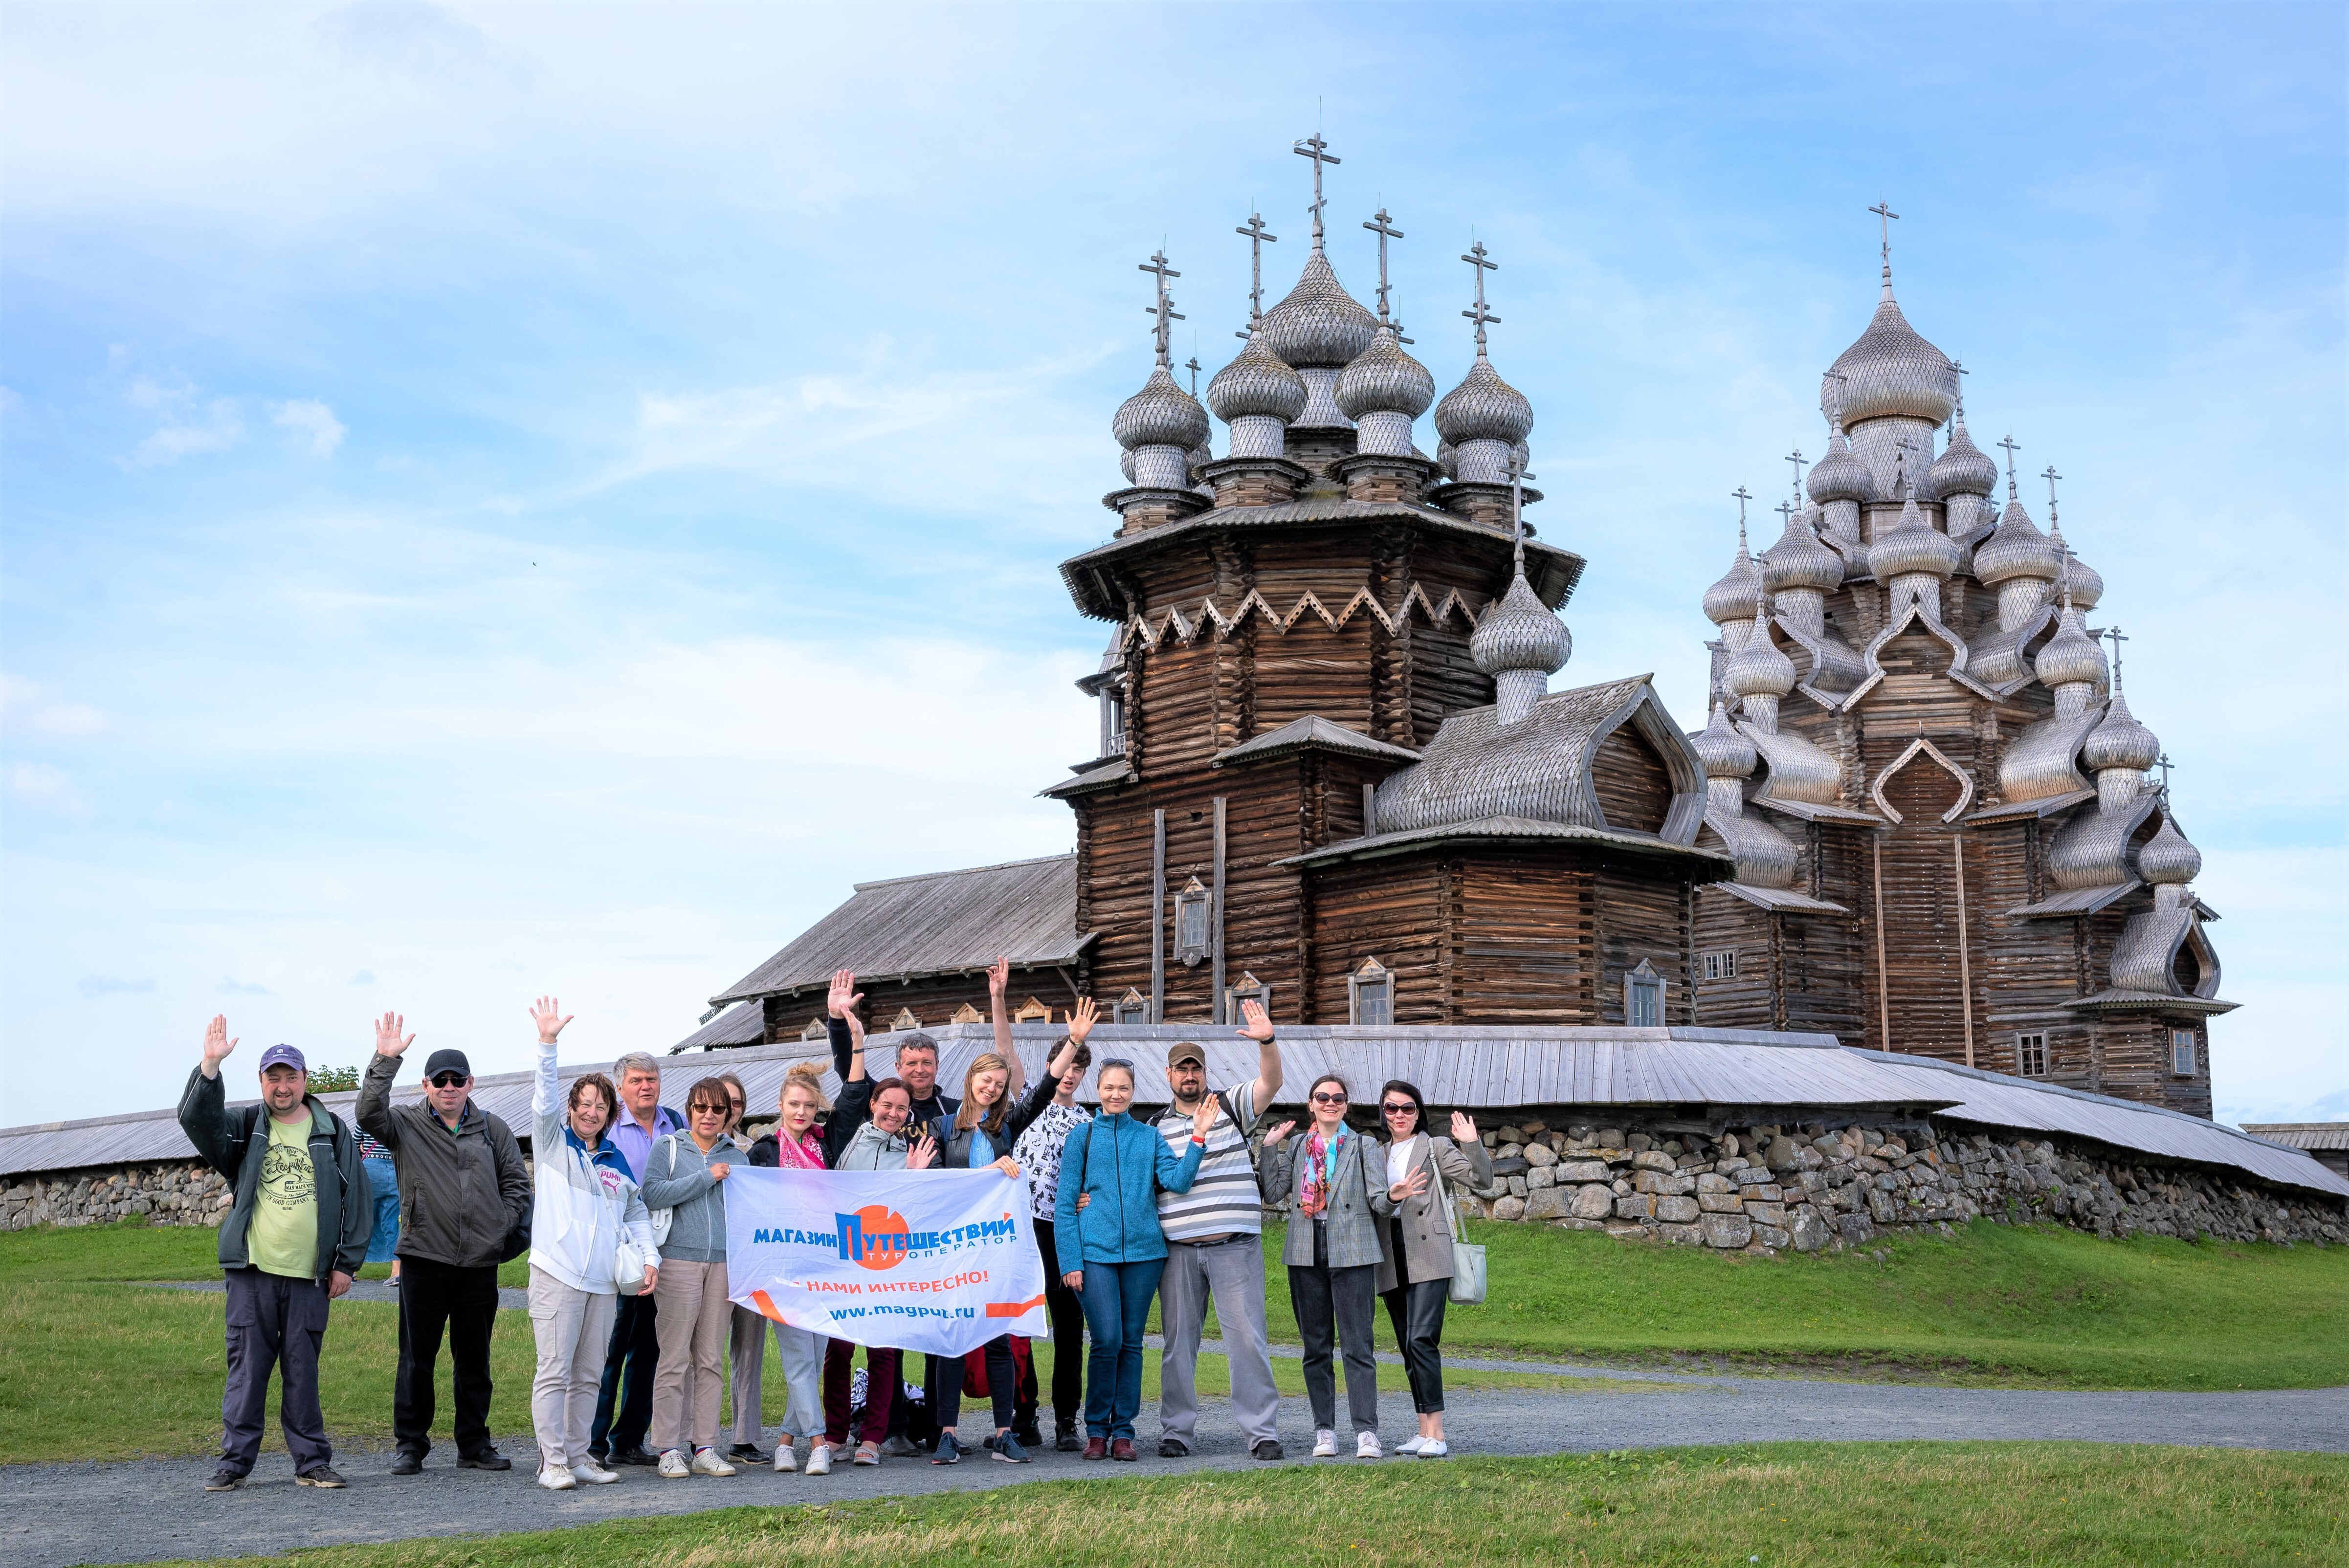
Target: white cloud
(312, 422)
(45, 788)
(191, 424)
(234, 987)
(23, 707)
(98, 986)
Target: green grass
(1787, 1505)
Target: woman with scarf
(1333, 1252)
(1415, 1280)
(793, 1146)
(586, 1201)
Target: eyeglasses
(448, 1081)
(704, 1107)
(1329, 1099)
(1115, 1062)
(1403, 1109)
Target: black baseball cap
(447, 1061)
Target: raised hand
(1464, 1127)
(1411, 1186)
(217, 1045)
(925, 1150)
(1082, 1020)
(844, 998)
(1257, 1023)
(1277, 1133)
(999, 978)
(1210, 1107)
(542, 1013)
(388, 1040)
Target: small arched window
(1643, 997)
(1369, 993)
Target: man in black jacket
(291, 1243)
(464, 1192)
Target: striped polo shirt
(1223, 1199)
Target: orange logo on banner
(874, 1236)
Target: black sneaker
(1029, 1435)
(1172, 1448)
(486, 1460)
(749, 1453)
(406, 1463)
(225, 1479)
(321, 1475)
(1268, 1450)
(1068, 1442)
(634, 1454)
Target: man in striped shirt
(1215, 1247)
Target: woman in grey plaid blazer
(1333, 1252)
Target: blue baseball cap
(285, 1056)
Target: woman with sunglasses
(1111, 1249)
(1415, 1279)
(685, 1173)
(1333, 1252)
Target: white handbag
(1467, 1257)
(629, 1262)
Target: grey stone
(1772, 1237)
(1540, 1155)
(1721, 1202)
(1752, 1176)
(1536, 1179)
(1551, 1202)
(1676, 1211)
(1771, 1214)
(1683, 1235)
(1855, 1230)
(1508, 1208)
(1728, 1230)
(1653, 1159)
(1712, 1181)
(1593, 1203)
(1809, 1229)
(1637, 1207)
(1582, 1171)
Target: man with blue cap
(291, 1242)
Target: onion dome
(2071, 655)
(2167, 856)
(1962, 468)
(1384, 379)
(1520, 632)
(1125, 466)
(1731, 598)
(1257, 383)
(2017, 549)
(1799, 561)
(1839, 476)
(1319, 324)
(1911, 546)
(1892, 370)
(1521, 456)
(2120, 741)
(1724, 753)
(2077, 579)
(1759, 669)
(1483, 407)
(1161, 414)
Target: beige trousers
(692, 1318)
(573, 1327)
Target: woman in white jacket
(585, 1202)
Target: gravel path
(134, 1511)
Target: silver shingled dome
(1483, 407)
(1799, 561)
(1760, 670)
(1161, 414)
(1384, 379)
(1840, 476)
(1911, 546)
(2167, 857)
(2017, 549)
(1319, 324)
(2120, 741)
(1731, 598)
(1892, 370)
(1520, 632)
(1724, 753)
(1961, 468)
(1257, 382)
(2071, 655)
(2076, 578)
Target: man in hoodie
(465, 1191)
(291, 1243)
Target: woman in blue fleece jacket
(1111, 1171)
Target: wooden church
(1332, 775)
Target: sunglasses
(703, 1107)
(448, 1081)
(1403, 1108)
(1115, 1062)
(1329, 1099)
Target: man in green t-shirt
(291, 1242)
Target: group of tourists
(624, 1219)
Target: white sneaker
(1366, 1447)
(1411, 1446)
(594, 1474)
(673, 1466)
(555, 1479)
(706, 1462)
(785, 1459)
(1434, 1449)
(1324, 1444)
(820, 1460)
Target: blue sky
(516, 498)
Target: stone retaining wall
(178, 1193)
(1809, 1187)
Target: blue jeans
(1116, 1299)
(386, 1184)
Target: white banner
(939, 1261)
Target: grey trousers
(803, 1357)
(1340, 1305)
(274, 1323)
(1234, 1275)
(573, 1329)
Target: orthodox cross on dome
(1959, 367)
(1795, 457)
(1258, 237)
(1384, 227)
(1743, 496)
(1192, 365)
(1480, 315)
(1841, 381)
(1164, 309)
(2051, 476)
(1517, 513)
(1884, 213)
(2012, 447)
(1314, 147)
(2116, 636)
(1785, 511)
(2162, 762)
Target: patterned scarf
(1320, 1172)
(804, 1153)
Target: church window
(816, 1029)
(1130, 1008)
(1193, 907)
(967, 1013)
(1721, 964)
(2031, 1056)
(2181, 1052)
(1369, 993)
(1031, 1011)
(1643, 997)
(905, 1020)
(1246, 988)
(1112, 722)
